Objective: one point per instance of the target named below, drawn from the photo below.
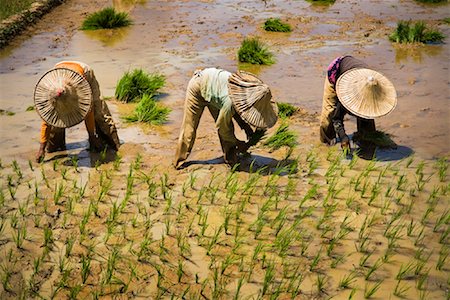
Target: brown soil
(158, 221)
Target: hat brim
(65, 114)
(252, 100)
(366, 93)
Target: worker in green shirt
(240, 96)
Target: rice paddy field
(302, 221)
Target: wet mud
(170, 218)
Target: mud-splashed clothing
(333, 112)
(207, 88)
(98, 121)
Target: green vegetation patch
(275, 24)
(133, 85)
(321, 1)
(377, 138)
(148, 111)
(106, 19)
(255, 52)
(286, 110)
(6, 113)
(407, 32)
(12, 7)
(282, 137)
(446, 20)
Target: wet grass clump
(12, 7)
(133, 85)
(282, 137)
(107, 18)
(407, 32)
(285, 110)
(255, 52)
(148, 111)
(275, 24)
(322, 1)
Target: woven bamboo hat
(366, 93)
(62, 97)
(252, 100)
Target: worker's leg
(228, 149)
(94, 141)
(193, 109)
(329, 102)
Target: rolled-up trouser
(193, 109)
(329, 102)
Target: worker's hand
(242, 147)
(345, 145)
(95, 144)
(41, 153)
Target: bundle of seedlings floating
(255, 52)
(276, 25)
(283, 137)
(377, 138)
(106, 18)
(286, 110)
(133, 85)
(321, 1)
(407, 32)
(149, 111)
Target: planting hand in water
(66, 95)
(352, 88)
(241, 96)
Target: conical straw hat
(62, 97)
(366, 93)
(252, 100)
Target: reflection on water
(126, 5)
(108, 37)
(416, 52)
(254, 69)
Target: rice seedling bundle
(133, 85)
(275, 24)
(255, 52)
(106, 19)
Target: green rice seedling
(310, 194)
(14, 220)
(347, 280)
(286, 110)
(443, 219)
(110, 266)
(422, 281)
(180, 270)
(408, 32)
(410, 228)
(37, 262)
(5, 277)
(443, 254)
(134, 85)
(269, 275)
(254, 51)
(400, 291)
(149, 111)
(370, 291)
(378, 263)
(363, 260)
(20, 236)
(106, 18)
(237, 293)
(276, 25)
(17, 170)
(405, 271)
(442, 166)
(282, 137)
(58, 192)
(402, 180)
(320, 283)
(315, 261)
(48, 238)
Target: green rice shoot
(149, 111)
(408, 32)
(286, 110)
(276, 25)
(106, 18)
(255, 52)
(283, 137)
(133, 85)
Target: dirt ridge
(15, 24)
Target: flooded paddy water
(81, 224)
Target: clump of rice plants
(286, 110)
(322, 1)
(282, 137)
(431, 1)
(149, 111)
(133, 85)
(407, 32)
(276, 25)
(106, 19)
(255, 52)
(377, 138)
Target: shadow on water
(254, 163)
(85, 158)
(382, 154)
